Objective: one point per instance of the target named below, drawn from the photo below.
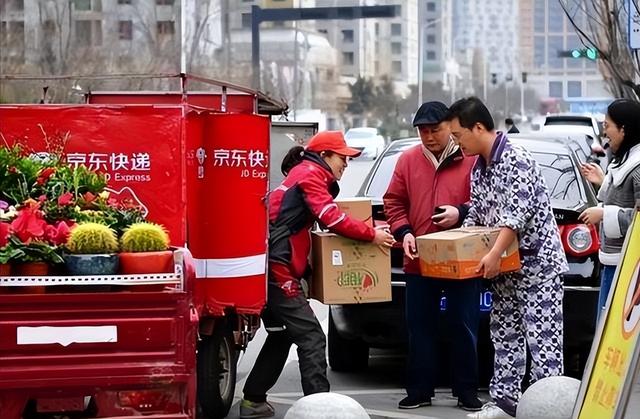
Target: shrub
(144, 237)
(91, 238)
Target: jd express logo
(357, 279)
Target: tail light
(579, 239)
(145, 401)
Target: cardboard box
(454, 254)
(358, 208)
(348, 271)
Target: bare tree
(603, 25)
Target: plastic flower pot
(146, 262)
(91, 264)
(5, 269)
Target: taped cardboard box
(454, 254)
(348, 271)
(358, 208)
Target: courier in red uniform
(304, 197)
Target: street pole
(420, 63)
(522, 100)
(485, 64)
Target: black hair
(470, 111)
(508, 121)
(625, 113)
(292, 159)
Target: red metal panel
(139, 147)
(231, 219)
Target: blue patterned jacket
(511, 192)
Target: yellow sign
(606, 394)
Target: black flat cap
(430, 113)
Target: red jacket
(417, 188)
(303, 198)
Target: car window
(384, 170)
(360, 134)
(561, 178)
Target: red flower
(5, 232)
(65, 199)
(59, 234)
(89, 197)
(29, 224)
(44, 175)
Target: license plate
(485, 301)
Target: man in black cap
(427, 193)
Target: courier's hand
(448, 218)
(409, 246)
(592, 215)
(383, 237)
(592, 172)
(489, 265)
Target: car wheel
(346, 355)
(217, 358)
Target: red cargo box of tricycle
(201, 173)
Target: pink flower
(5, 232)
(59, 234)
(65, 199)
(29, 224)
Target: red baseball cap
(331, 141)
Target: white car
(580, 124)
(367, 140)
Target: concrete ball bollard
(326, 406)
(551, 397)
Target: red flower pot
(146, 262)
(32, 269)
(5, 269)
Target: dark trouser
(463, 312)
(289, 320)
(606, 278)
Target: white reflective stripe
(231, 267)
(342, 217)
(276, 329)
(327, 208)
(66, 335)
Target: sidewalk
(379, 404)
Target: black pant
(288, 321)
(463, 314)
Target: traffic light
(524, 76)
(590, 53)
(494, 78)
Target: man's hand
(489, 265)
(409, 246)
(383, 237)
(592, 215)
(447, 218)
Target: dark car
(353, 329)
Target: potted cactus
(145, 249)
(92, 250)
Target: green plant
(144, 237)
(34, 251)
(91, 238)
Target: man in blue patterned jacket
(508, 191)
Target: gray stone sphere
(549, 398)
(326, 406)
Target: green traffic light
(576, 53)
(591, 53)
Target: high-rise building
(435, 26)
(546, 34)
(491, 26)
(374, 48)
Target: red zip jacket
(305, 196)
(417, 188)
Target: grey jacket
(618, 194)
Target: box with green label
(349, 271)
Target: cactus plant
(144, 237)
(92, 238)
